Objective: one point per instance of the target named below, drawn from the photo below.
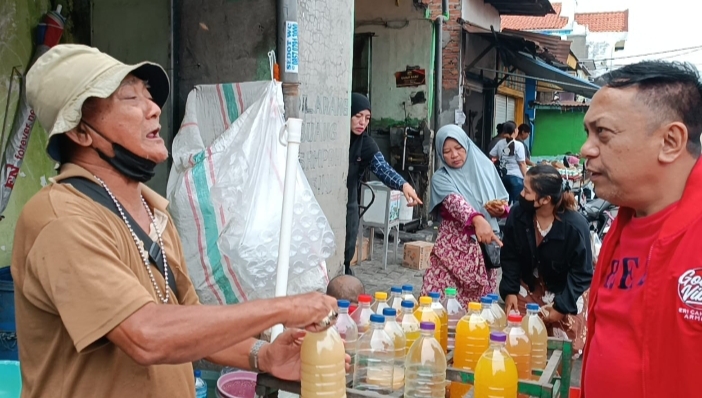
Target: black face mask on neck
(126, 162)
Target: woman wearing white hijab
(460, 190)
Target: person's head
(99, 111)
(346, 287)
(360, 113)
(499, 128)
(543, 188)
(523, 132)
(643, 131)
(509, 129)
(451, 146)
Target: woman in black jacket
(547, 257)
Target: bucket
(237, 385)
(406, 212)
(8, 328)
(10, 379)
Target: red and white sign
(690, 288)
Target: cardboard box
(364, 255)
(416, 255)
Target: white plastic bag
(226, 194)
(596, 245)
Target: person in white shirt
(512, 160)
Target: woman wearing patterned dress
(459, 191)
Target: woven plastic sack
(226, 196)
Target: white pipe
(294, 129)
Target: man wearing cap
(104, 304)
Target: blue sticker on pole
(292, 49)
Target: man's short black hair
(671, 89)
(525, 128)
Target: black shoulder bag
(99, 195)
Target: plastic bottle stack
(409, 323)
(375, 359)
(408, 295)
(347, 329)
(496, 373)
(425, 367)
(363, 313)
(381, 302)
(394, 330)
(518, 346)
(472, 339)
(322, 369)
(426, 314)
(395, 300)
(443, 316)
(455, 312)
(499, 312)
(488, 313)
(536, 330)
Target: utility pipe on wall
(288, 54)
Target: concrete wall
(402, 38)
(144, 34)
(478, 13)
(326, 38)
(557, 132)
(18, 20)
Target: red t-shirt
(614, 363)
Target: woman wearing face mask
(512, 157)
(546, 257)
(364, 153)
(459, 191)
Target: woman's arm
(579, 275)
(520, 156)
(460, 210)
(386, 173)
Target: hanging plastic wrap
(226, 195)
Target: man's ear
(674, 142)
(79, 135)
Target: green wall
(18, 19)
(558, 131)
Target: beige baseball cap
(65, 76)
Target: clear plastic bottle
(409, 323)
(425, 367)
(322, 365)
(381, 302)
(408, 295)
(472, 339)
(375, 359)
(395, 300)
(394, 330)
(488, 313)
(363, 313)
(426, 314)
(347, 328)
(499, 312)
(455, 312)
(518, 346)
(536, 330)
(443, 316)
(200, 385)
(496, 373)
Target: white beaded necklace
(142, 250)
(543, 232)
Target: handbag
(491, 253)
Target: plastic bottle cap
(435, 295)
(396, 289)
(389, 312)
(486, 300)
(514, 318)
(450, 290)
(381, 296)
(407, 304)
(532, 307)
(364, 298)
(427, 326)
(343, 303)
(498, 337)
(198, 373)
(407, 287)
(494, 296)
(375, 318)
(473, 306)
(425, 300)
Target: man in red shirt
(645, 311)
